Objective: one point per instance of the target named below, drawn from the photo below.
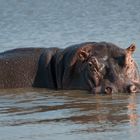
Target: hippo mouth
(112, 89)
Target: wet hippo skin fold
(99, 67)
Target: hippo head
(106, 68)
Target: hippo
(98, 67)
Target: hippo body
(99, 67)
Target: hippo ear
(129, 52)
(131, 48)
(83, 55)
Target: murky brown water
(45, 114)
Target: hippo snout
(108, 90)
(104, 90)
(132, 89)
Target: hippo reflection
(97, 67)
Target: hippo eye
(90, 64)
(120, 60)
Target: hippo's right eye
(120, 60)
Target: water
(46, 114)
(40, 114)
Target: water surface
(40, 114)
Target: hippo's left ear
(131, 48)
(83, 55)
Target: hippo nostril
(108, 90)
(132, 89)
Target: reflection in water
(65, 113)
(132, 111)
